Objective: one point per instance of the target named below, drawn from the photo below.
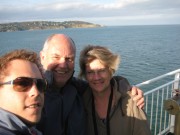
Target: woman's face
(98, 76)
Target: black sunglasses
(22, 84)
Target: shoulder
(121, 80)
(122, 84)
(10, 124)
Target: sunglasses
(23, 84)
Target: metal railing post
(177, 117)
(177, 124)
(176, 84)
(173, 107)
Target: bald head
(58, 56)
(59, 39)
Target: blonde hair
(104, 55)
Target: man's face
(59, 58)
(27, 105)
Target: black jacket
(64, 111)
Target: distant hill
(41, 25)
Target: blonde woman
(108, 102)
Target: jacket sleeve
(141, 124)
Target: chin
(31, 121)
(62, 80)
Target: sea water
(146, 51)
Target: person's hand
(138, 96)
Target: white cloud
(91, 10)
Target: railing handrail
(159, 89)
(164, 85)
(158, 78)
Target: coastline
(45, 25)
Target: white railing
(156, 91)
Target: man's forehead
(64, 52)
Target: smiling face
(59, 58)
(27, 105)
(98, 76)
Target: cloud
(59, 10)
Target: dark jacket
(12, 125)
(64, 111)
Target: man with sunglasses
(64, 111)
(21, 93)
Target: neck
(102, 96)
(101, 101)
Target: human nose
(96, 75)
(34, 90)
(62, 62)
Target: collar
(12, 122)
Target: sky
(103, 12)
